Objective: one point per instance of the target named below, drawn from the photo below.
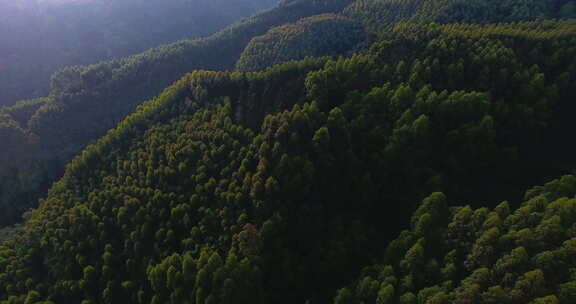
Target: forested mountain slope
(39, 37)
(85, 102)
(278, 186)
(378, 14)
(322, 35)
(316, 36)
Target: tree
(343, 296)
(495, 295)
(552, 299)
(567, 293)
(385, 294)
(32, 297)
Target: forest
(85, 102)
(346, 152)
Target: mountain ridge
(41, 37)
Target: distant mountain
(39, 37)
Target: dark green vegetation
(85, 102)
(39, 37)
(485, 255)
(378, 14)
(280, 186)
(284, 185)
(320, 35)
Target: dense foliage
(378, 14)
(320, 35)
(39, 37)
(484, 255)
(85, 102)
(278, 186)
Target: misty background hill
(39, 37)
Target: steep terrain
(320, 35)
(279, 186)
(85, 102)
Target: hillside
(279, 186)
(379, 14)
(85, 102)
(316, 36)
(40, 37)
